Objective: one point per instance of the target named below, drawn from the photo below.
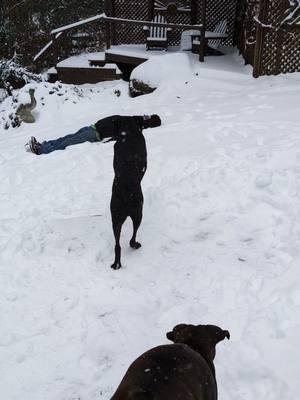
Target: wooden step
(87, 68)
(81, 75)
(52, 75)
(97, 63)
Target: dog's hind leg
(136, 220)
(117, 226)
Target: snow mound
(47, 94)
(157, 70)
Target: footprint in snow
(201, 236)
(260, 141)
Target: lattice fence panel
(221, 10)
(199, 11)
(290, 56)
(217, 10)
(175, 34)
(246, 35)
(271, 40)
(280, 51)
(130, 9)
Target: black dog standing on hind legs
(130, 164)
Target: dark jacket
(130, 153)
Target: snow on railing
(58, 31)
(292, 14)
(291, 17)
(256, 19)
(151, 23)
(76, 24)
(38, 55)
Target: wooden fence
(213, 11)
(268, 44)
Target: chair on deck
(213, 43)
(157, 36)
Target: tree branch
(14, 7)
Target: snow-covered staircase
(80, 75)
(87, 68)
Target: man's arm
(108, 128)
(116, 126)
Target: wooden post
(107, 10)
(150, 10)
(54, 49)
(202, 32)
(113, 30)
(260, 33)
(107, 35)
(279, 43)
(193, 19)
(238, 24)
(202, 46)
(106, 6)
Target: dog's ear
(205, 339)
(175, 334)
(217, 334)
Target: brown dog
(180, 371)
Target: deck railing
(57, 34)
(113, 20)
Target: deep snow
(220, 236)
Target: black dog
(130, 164)
(179, 371)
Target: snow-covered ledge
(153, 73)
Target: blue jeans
(86, 134)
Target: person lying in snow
(130, 164)
(106, 128)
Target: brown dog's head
(200, 338)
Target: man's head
(151, 121)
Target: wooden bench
(212, 39)
(157, 36)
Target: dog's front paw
(116, 265)
(135, 245)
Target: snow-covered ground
(220, 235)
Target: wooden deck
(135, 53)
(115, 63)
